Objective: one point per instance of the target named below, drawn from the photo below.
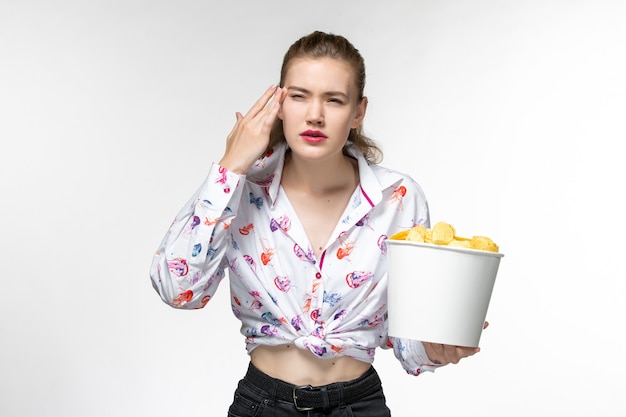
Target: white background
(509, 113)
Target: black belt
(307, 397)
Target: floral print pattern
(282, 293)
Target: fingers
(435, 353)
(444, 354)
(261, 103)
(274, 105)
(262, 113)
(464, 352)
(251, 133)
(266, 108)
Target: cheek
(289, 111)
(345, 119)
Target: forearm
(189, 263)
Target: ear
(361, 108)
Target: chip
(445, 234)
(401, 235)
(463, 243)
(417, 234)
(483, 243)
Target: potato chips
(444, 234)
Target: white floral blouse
(333, 305)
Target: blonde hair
(326, 45)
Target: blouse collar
(267, 172)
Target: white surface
(509, 113)
(439, 294)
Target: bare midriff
(302, 367)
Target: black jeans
(259, 395)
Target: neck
(320, 177)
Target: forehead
(328, 74)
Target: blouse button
(318, 275)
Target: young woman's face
(321, 106)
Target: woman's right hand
(251, 134)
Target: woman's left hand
(444, 354)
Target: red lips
(313, 136)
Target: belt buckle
(295, 397)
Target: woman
(298, 210)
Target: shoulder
(394, 179)
(401, 193)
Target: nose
(315, 113)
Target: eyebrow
(327, 93)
